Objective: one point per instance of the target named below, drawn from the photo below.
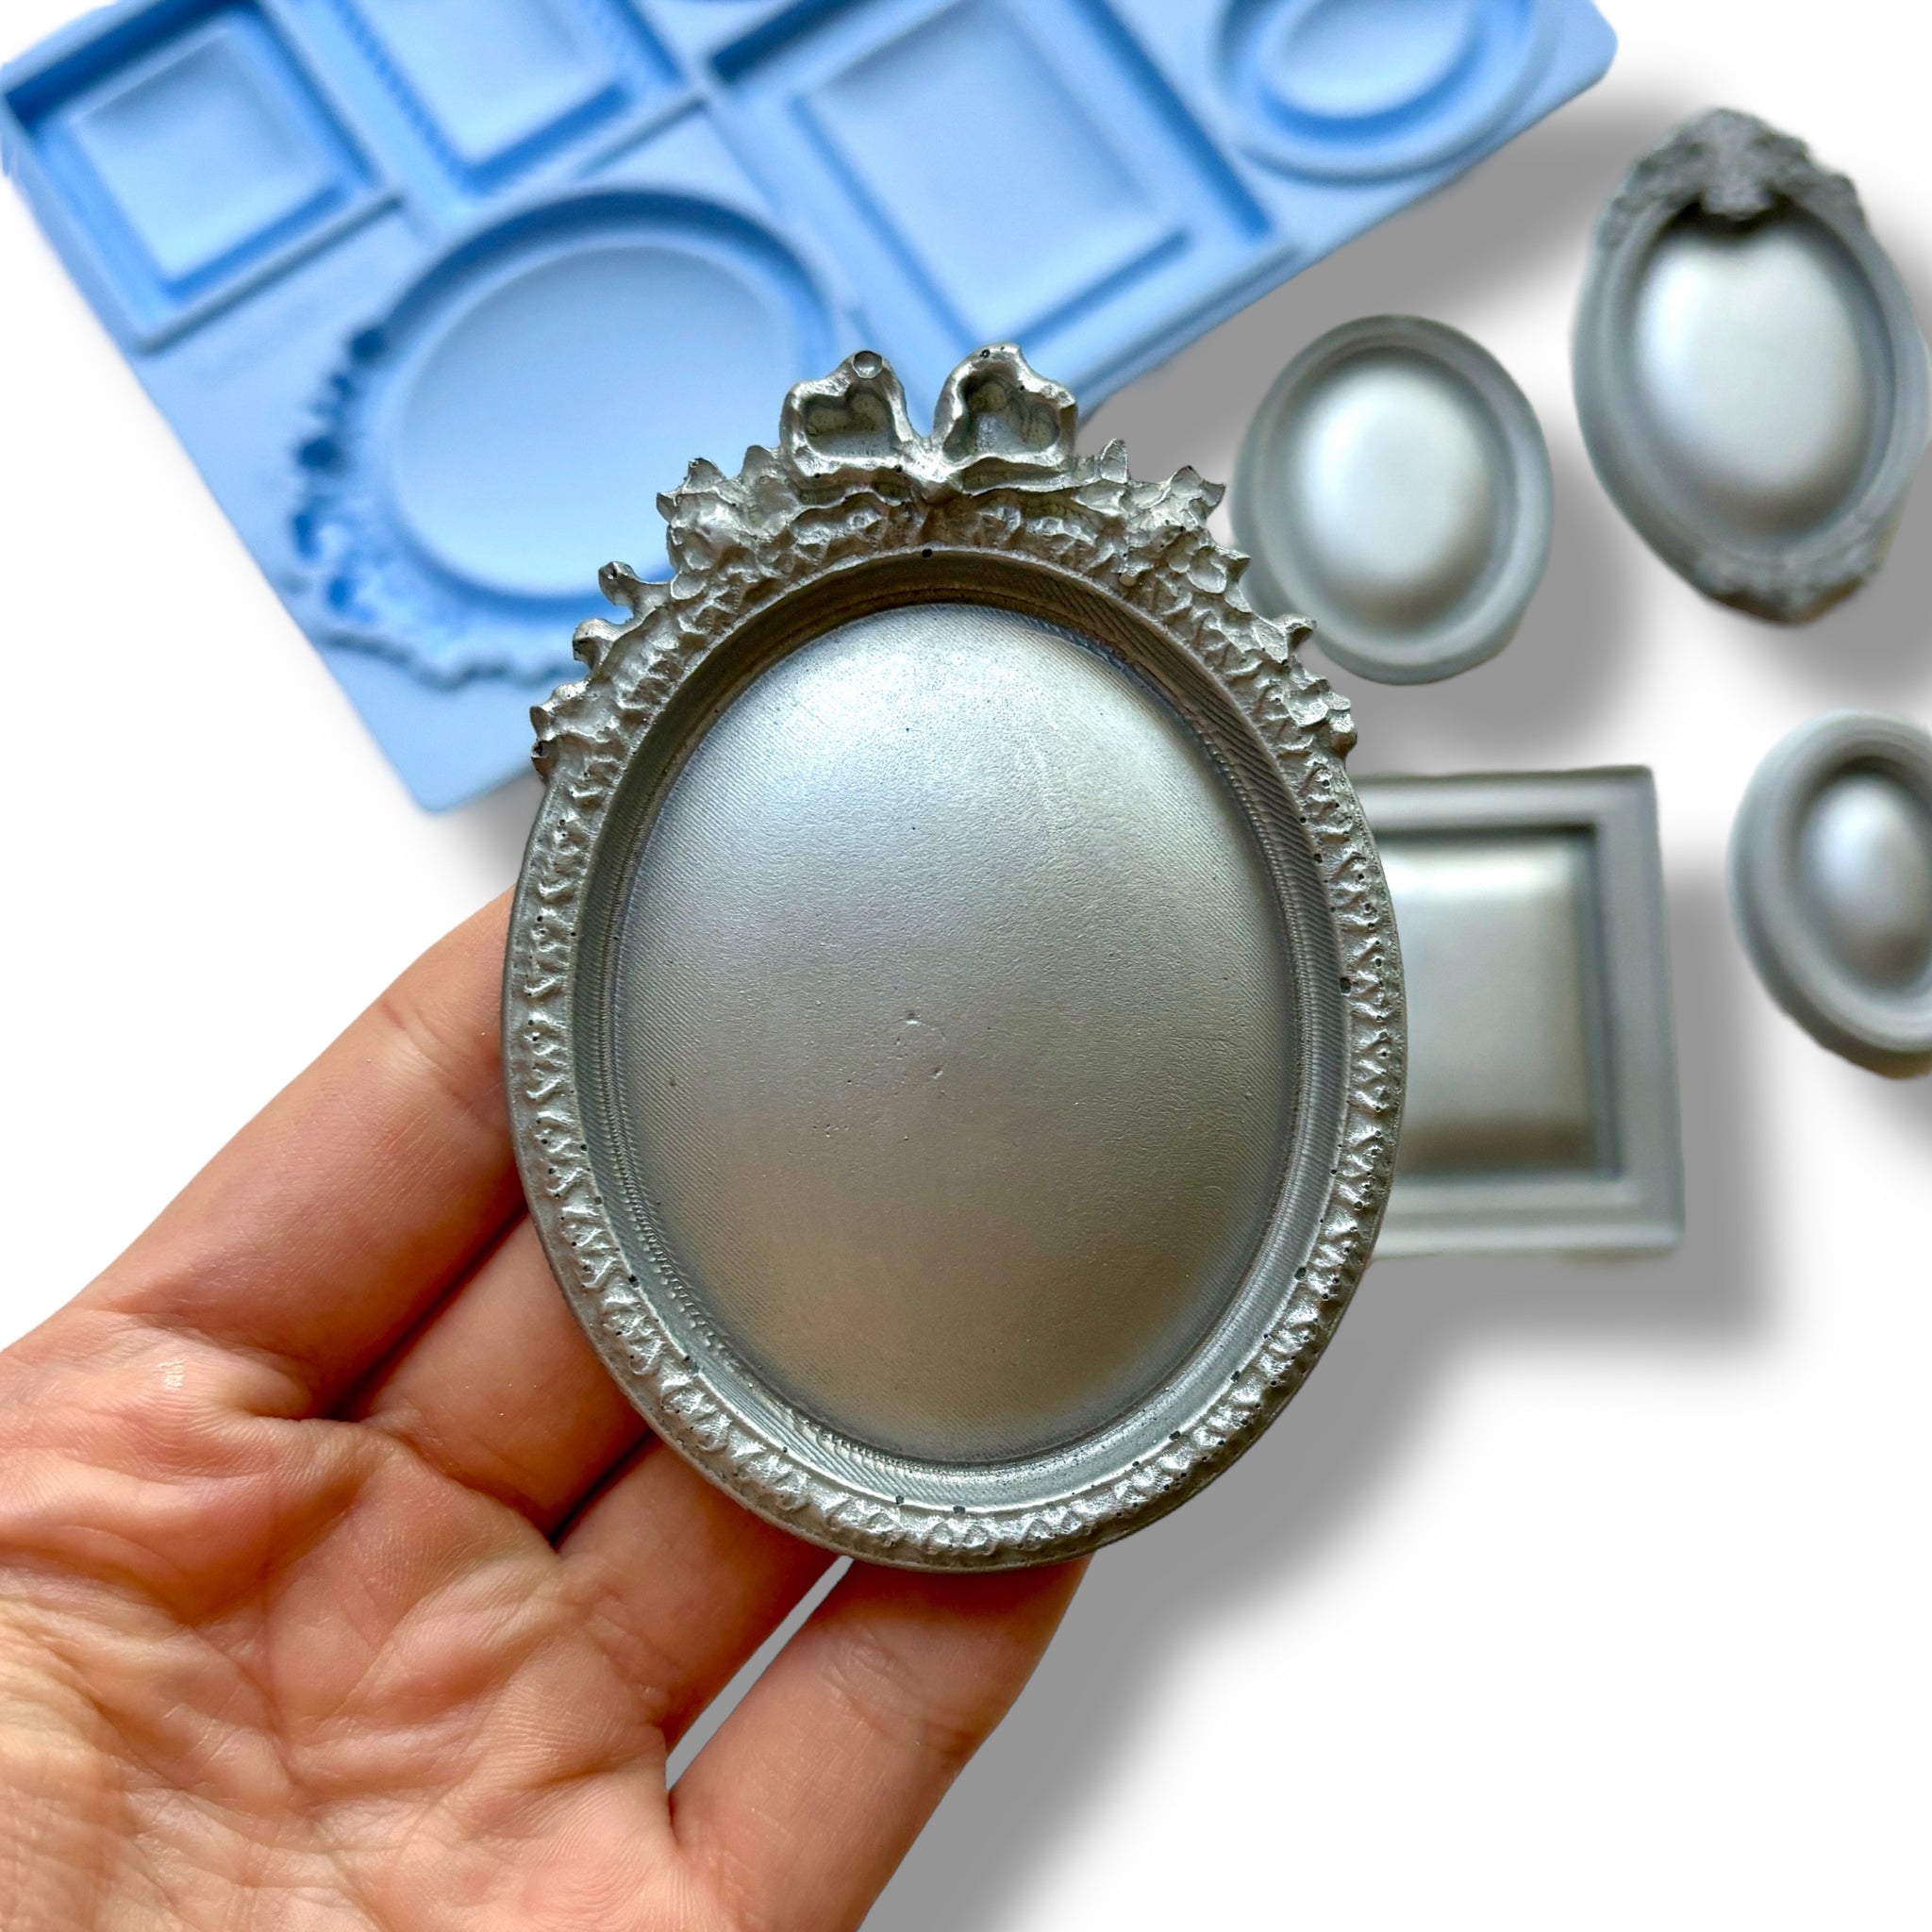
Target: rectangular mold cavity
(492, 85)
(989, 170)
(898, 123)
(1541, 1109)
(196, 159)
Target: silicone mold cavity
(1359, 88)
(432, 428)
(194, 163)
(495, 83)
(523, 406)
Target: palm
(339, 1588)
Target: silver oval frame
(1888, 1033)
(1735, 168)
(1494, 614)
(852, 512)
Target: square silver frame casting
(1627, 1196)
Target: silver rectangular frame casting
(1542, 1112)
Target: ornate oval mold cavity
(1359, 89)
(953, 1021)
(470, 460)
(1394, 484)
(1831, 881)
(1749, 373)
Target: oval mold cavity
(1865, 869)
(515, 440)
(1751, 348)
(1352, 90)
(503, 432)
(953, 1026)
(1353, 60)
(1394, 487)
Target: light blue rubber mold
(440, 294)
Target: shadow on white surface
(1341, 1445)
(1905, 1104)
(499, 823)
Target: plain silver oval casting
(1831, 879)
(1865, 869)
(1749, 373)
(953, 1021)
(1394, 484)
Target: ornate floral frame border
(850, 483)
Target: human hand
(339, 1587)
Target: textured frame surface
(849, 492)
(1634, 1203)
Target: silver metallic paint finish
(1831, 883)
(1750, 377)
(1749, 353)
(1394, 484)
(1865, 873)
(1056, 938)
(1504, 919)
(957, 1033)
(1542, 1109)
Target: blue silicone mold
(441, 293)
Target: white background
(1565, 1595)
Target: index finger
(357, 1197)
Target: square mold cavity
(490, 84)
(1543, 1090)
(201, 159)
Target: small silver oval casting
(952, 1019)
(1831, 880)
(1394, 485)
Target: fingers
(802, 1804)
(321, 1233)
(680, 1584)
(502, 1392)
